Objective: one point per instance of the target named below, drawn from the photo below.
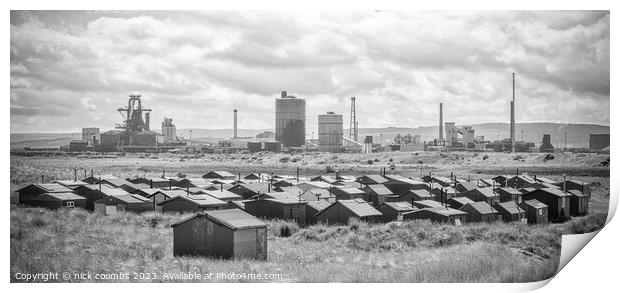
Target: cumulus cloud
(74, 69)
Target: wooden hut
(146, 192)
(193, 182)
(578, 203)
(71, 184)
(32, 190)
(458, 202)
(154, 182)
(411, 195)
(342, 192)
(313, 208)
(324, 178)
(510, 212)
(582, 186)
(438, 214)
(278, 208)
(95, 192)
(126, 202)
(249, 190)
(223, 195)
(393, 211)
(341, 211)
(371, 179)
(558, 202)
(485, 194)
(536, 212)
(422, 204)
(224, 175)
(163, 195)
(400, 184)
(305, 186)
(221, 234)
(509, 194)
(480, 212)
(192, 203)
(56, 200)
(318, 194)
(467, 186)
(376, 194)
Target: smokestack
(440, 120)
(147, 121)
(512, 115)
(235, 124)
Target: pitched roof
(318, 205)
(149, 191)
(402, 179)
(322, 193)
(285, 200)
(401, 206)
(202, 200)
(577, 193)
(423, 193)
(359, 207)
(233, 218)
(171, 192)
(292, 189)
(467, 185)
(68, 183)
(428, 203)
(440, 211)
(57, 196)
(510, 206)
(126, 198)
(535, 204)
(481, 207)
(554, 191)
(509, 190)
(349, 190)
(378, 189)
(49, 187)
(255, 187)
(374, 179)
(485, 191)
(222, 194)
(462, 200)
(220, 174)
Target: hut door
(110, 210)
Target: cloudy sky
(74, 69)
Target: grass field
(417, 251)
(414, 251)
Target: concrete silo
(330, 133)
(290, 120)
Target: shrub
(588, 224)
(485, 157)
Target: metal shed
(480, 212)
(558, 202)
(58, 200)
(221, 234)
(536, 212)
(393, 211)
(376, 193)
(510, 212)
(32, 190)
(192, 203)
(127, 202)
(341, 211)
(278, 208)
(344, 193)
(438, 214)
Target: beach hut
(536, 212)
(341, 211)
(421, 204)
(278, 208)
(192, 203)
(480, 212)
(557, 201)
(376, 194)
(510, 212)
(371, 179)
(393, 211)
(249, 190)
(313, 208)
(58, 200)
(32, 190)
(509, 194)
(125, 202)
(230, 234)
(95, 192)
(438, 214)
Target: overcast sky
(74, 69)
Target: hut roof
(481, 207)
(400, 206)
(255, 187)
(378, 189)
(68, 183)
(171, 192)
(535, 204)
(510, 206)
(349, 190)
(50, 187)
(318, 205)
(577, 193)
(149, 191)
(402, 179)
(222, 194)
(292, 189)
(234, 219)
(374, 179)
(221, 174)
(57, 196)
(126, 198)
(441, 211)
(462, 200)
(429, 203)
(198, 199)
(423, 193)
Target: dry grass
(417, 251)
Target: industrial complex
(289, 134)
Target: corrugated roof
(577, 193)
(349, 190)
(429, 203)
(318, 205)
(202, 200)
(461, 200)
(481, 207)
(68, 183)
(379, 189)
(511, 207)
(535, 203)
(400, 206)
(359, 207)
(233, 218)
(222, 194)
(57, 196)
(420, 193)
(441, 211)
(50, 187)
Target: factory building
(91, 135)
(330, 132)
(599, 142)
(168, 130)
(290, 120)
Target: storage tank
(330, 132)
(290, 120)
(273, 146)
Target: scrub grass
(77, 241)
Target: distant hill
(578, 135)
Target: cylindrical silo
(330, 132)
(290, 120)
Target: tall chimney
(512, 115)
(440, 120)
(235, 124)
(147, 121)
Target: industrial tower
(353, 130)
(512, 115)
(132, 115)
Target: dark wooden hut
(341, 211)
